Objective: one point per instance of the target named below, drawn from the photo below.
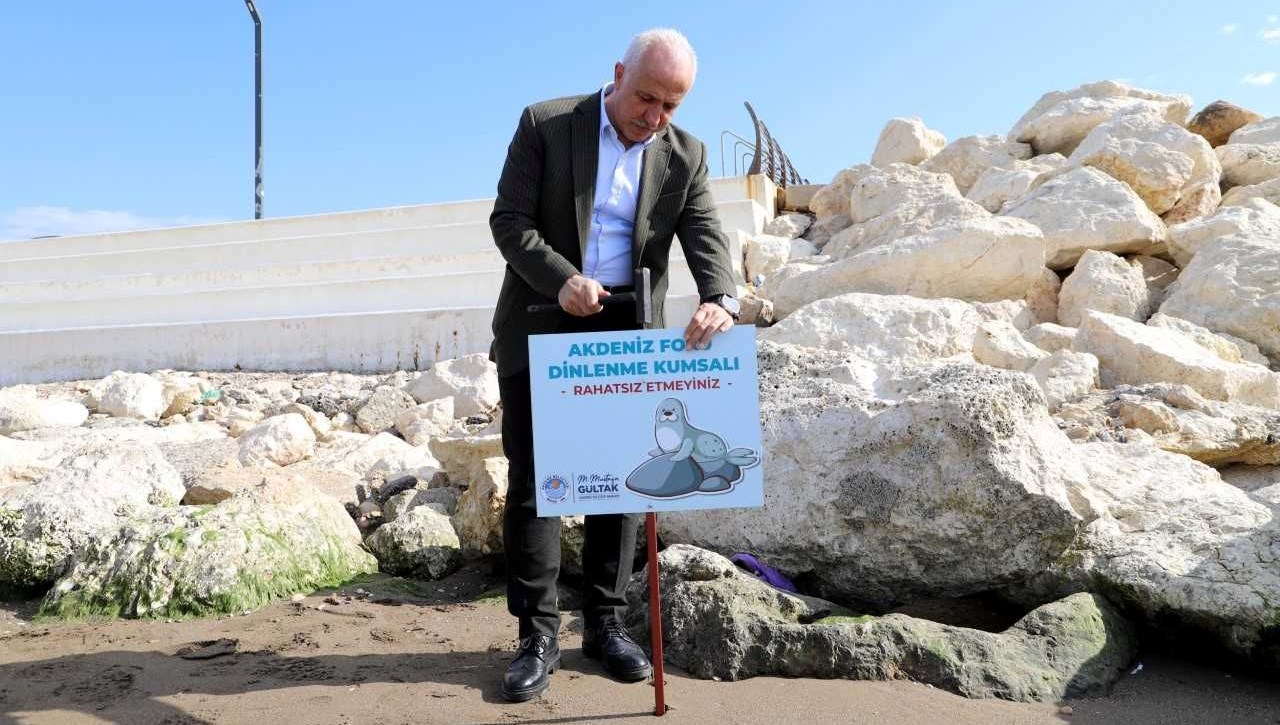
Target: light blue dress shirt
(608, 258)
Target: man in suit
(593, 187)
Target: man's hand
(580, 296)
(708, 319)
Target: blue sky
(140, 114)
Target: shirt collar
(604, 117)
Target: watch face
(731, 305)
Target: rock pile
(174, 493)
(1044, 365)
(1119, 264)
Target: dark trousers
(532, 544)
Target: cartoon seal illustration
(688, 459)
(672, 431)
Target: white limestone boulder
(182, 393)
(384, 457)
(765, 254)
(472, 382)
(1065, 375)
(801, 249)
(21, 409)
(1060, 120)
(129, 395)
(1000, 345)
(320, 425)
(1156, 173)
(239, 420)
(1133, 353)
(263, 544)
(896, 202)
(1177, 419)
(1157, 274)
(1244, 164)
(1228, 347)
(1051, 337)
(822, 230)
(1233, 286)
(1268, 191)
(998, 185)
(420, 543)
(1104, 282)
(1174, 544)
(833, 199)
(1261, 131)
(92, 492)
(1085, 209)
(1002, 259)
(109, 431)
(277, 441)
(1256, 218)
(1196, 201)
(23, 462)
(445, 499)
(1159, 160)
(423, 422)
(789, 226)
(1042, 298)
(380, 412)
(933, 480)
(478, 518)
(881, 327)
(965, 159)
(1015, 312)
(906, 141)
(463, 457)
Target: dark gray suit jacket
(543, 211)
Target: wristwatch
(730, 305)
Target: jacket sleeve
(514, 220)
(705, 246)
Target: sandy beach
(392, 651)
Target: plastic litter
(764, 572)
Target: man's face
(645, 98)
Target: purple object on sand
(764, 572)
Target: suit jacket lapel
(653, 174)
(585, 133)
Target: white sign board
(629, 422)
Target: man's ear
(617, 73)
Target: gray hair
(668, 38)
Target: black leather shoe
(530, 672)
(622, 657)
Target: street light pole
(257, 109)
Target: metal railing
(769, 159)
(766, 155)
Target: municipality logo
(556, 488)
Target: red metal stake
(655, 616)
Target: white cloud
(37, 221)
(1259, 79)
(1273, 19)
(1271, 35)
(1228, 29)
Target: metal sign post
(655, 616)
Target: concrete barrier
(362, 342)
(370, 290)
